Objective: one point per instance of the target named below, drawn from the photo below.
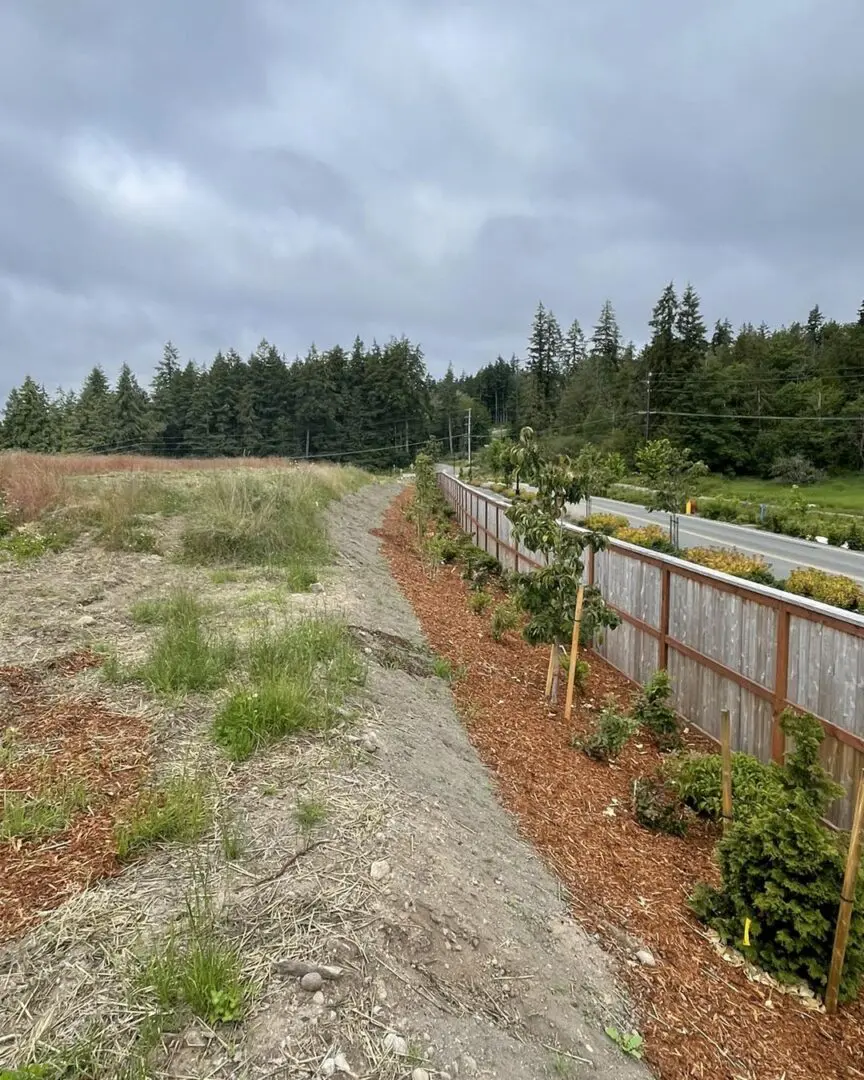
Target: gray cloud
(214, 172)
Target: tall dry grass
(33, 484)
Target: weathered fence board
(727, 643)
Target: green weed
(310, 813)
(185, 656)
(298, 677)
(33, 817)
(197, 969)
(180, 811)
(630, 1042)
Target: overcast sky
(215, 171)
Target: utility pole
(469, 445)
(648, 411)
(450, 432)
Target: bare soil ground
(702, 1013)
(456, 951)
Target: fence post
(486, 524)
(781, 680)
(591, 554)
(497, 530)
(663, 643)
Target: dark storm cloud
(214, 172)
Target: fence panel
(727, 643)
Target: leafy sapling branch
(548, 594)
(672, 474)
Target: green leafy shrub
(648, 536)
(609, 737)
(597, 617)
(605, 523)
(479, 601)
(656, 806)
(505, 617)
(581, 674)
(653, 713)
(479, 567)
(803, 771)
(697, 780)
(834, 589)
(732, 561)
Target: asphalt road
(783, 553)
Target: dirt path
(473, 919)
(457, 955)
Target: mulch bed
(700, 1016)
(58, 738)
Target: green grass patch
(25, 544)
(34, 817)
(180, 811)
(309, 814)
(196, 969)
(844, 494)
(246, 519)
(298, 677)
(186, 656)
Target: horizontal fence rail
(727, 643)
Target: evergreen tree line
(740, 400)
(375, 405)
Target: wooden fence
(727, 643)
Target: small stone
(195, 1038)
(396, 1044)
(85, 620)
(646, 958)
(369, 743)
(311, 982)
(379, 870)
(469, 1065)
(342, 1066)
(419, 1074)
(316, 587)
(328, 1067)
(318, 997)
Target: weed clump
(178, 811)
(505, 617)
(298, 679)
(653, 713)
(185, 657)
(611, 732)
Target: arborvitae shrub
(781, 867)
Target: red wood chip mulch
(52, 739)
(700, 1016)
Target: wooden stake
(552, 652)
(556, 668)
(847, 901)
(726, 753)
(574, 653)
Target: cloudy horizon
(215, 173)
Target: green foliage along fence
(726, 642)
